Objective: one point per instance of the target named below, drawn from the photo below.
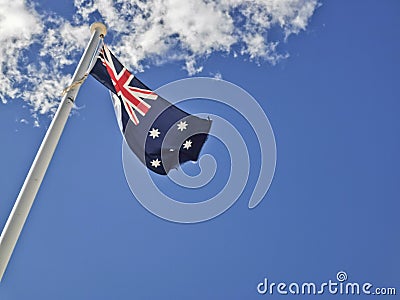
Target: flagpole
(23, 204)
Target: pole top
(98, 26)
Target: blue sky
(333, 204)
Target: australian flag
(160, 134)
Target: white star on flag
(154, 133)
(187, 144)
(155, 163)
(182, 125)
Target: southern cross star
(187, 144)
(155, 163)
(154, 133)
(182, 125)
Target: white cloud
(18, 25)
(186, 30)
(141, 33)
(35, 77)
(216, 75)
(191, 66)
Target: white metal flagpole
(23, 204)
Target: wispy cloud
(39, 49)
(18, 25)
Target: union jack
(132, 97)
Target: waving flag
(160, 134)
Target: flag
(160, 134)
